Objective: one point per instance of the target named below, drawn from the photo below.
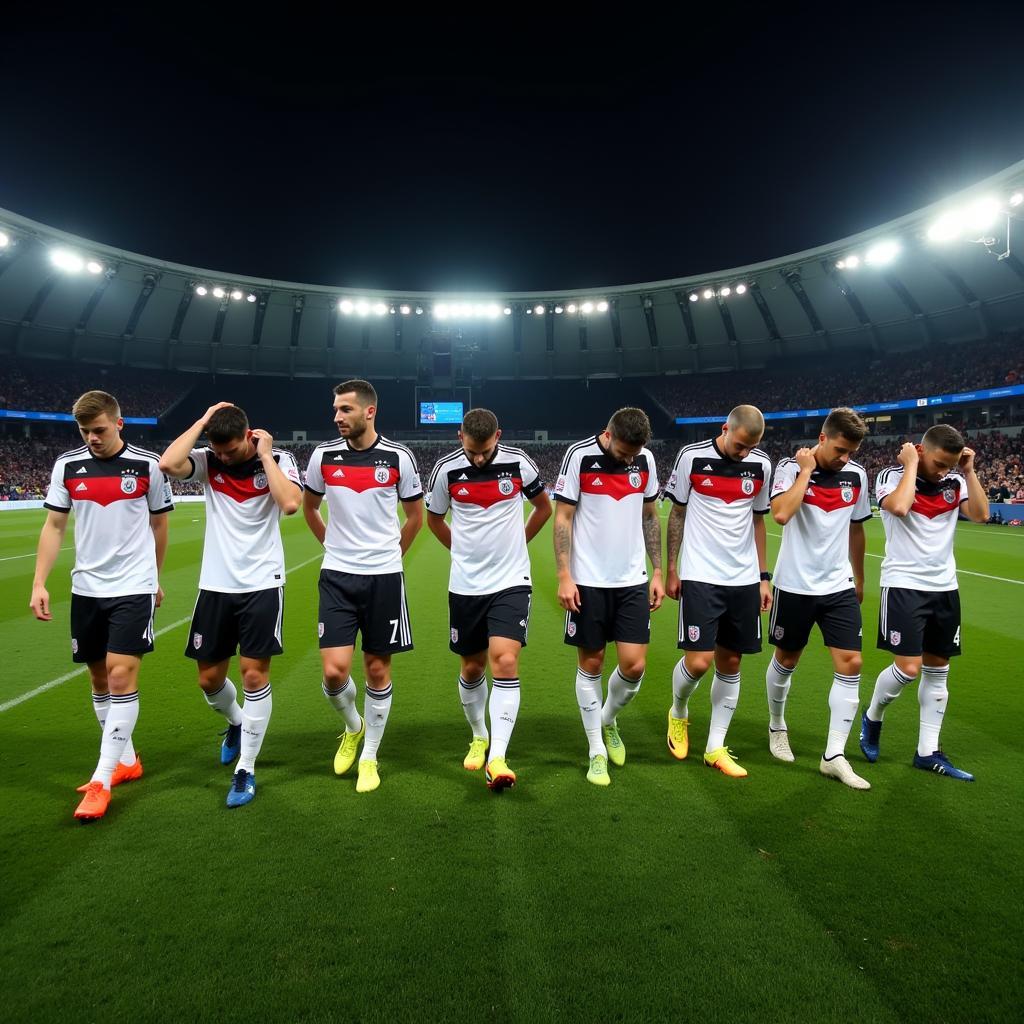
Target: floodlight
(694, 296)
(602, 306)
(726, 292)
(346, 306)
(218, 293)
(882, 253)
(558, 309)
(362, 307)
(404, 310)
(250, 297)
(508, 311)
(94, 267)
(539, 310)
(741, 289)
(493, 311)
(571, 307)
(1015, 200)
(441, 311)
(587, 308)
(947, 227)
(236, 295)
(200, 290)
(5, 239)
(709, 293)
(852, 262)
(66, 260)
(380, 308)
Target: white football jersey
(814, 557)
(919, 547)
(242, 551)
(607, 529)
(363, 488)
(720, 496)
(112, 499)
(488, 530)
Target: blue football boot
(232, 745)
(870, 734)
(940, 764)
(243, 788)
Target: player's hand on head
(213, 408)
(967, 459)
(908, 455)
(805, 458)
(40, 604)
(264, 442)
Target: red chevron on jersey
(485, 493)
(239, 488)
(726, 488)
(831, 499)
(105, 490)
(614, 485)
(360, 478)
(932, 505)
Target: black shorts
(610, 615)
(249, 622)
(111, 625)
(794, 615)
(712, 615)
(473, 620)
(916, 622)
(374, 606)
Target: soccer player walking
(483, 483)
(821, 499)
(719, 489)
(362, 587)
(919, 615)
(605, 523)
(248, 485)
(119, 497)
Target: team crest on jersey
(747, 485)
(455, 635)
(847, 494)
(570, 630)
(382, 474)
(693, 632)
(197, 640)
(950, 495)
(320, 629)
(634, 480)
(894, 637)
(74, 646)
(129, 484)
(779, 632)
(259, 481)
(505, 485)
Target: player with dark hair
(919, 615)
(119, 497)
(821, 499)
(483, 484)
(362, 587)
(248, 484)
(605, 523)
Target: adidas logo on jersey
(339, 458)
(462, 476)
(219, 478)
(337, 473)
(596, 465)
(597, 482)
(707, 468)
(82, 469)
(463, 490)
(706, 483)
(81, 487)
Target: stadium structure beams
(93, 302)
(766, 315)
(792, 277)
(841, 281)
(32, 311)
(970, 299)
(912, 305)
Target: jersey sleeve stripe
(441, 462)
(74, 451)
(572, 449)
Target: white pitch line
(31, 554)
(959, 572)
(15, 701)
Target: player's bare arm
(568, 594)
(652, 542)
(413, 522)
(539, 516)
(858, 545)
(440, 529)
(51, 537)
(311, 513)
(175, 461)
(159, 526)
(676, 521)
(761, 543)
(285, 493)
(901, 500)
(976, 507)
(786, 504)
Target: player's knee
(592, 664)
(787, 659)
(254, 679)
(634, 668)
(378, 672)
(336, 673)
(121, 678)
(505, 665)
(697, 664)
(911, 669)
(851, 665)
(728, 664)
(473, 668)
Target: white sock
(777, 679)
(683, 685)
(255, 718)
(473, 694)
(888, 686)
(932, 695)
(101, 705)
(117, 732)
(504, 708)
(343, 700)
(225, 702)
(375, 710)
(725, 695)
(621, 690)
(843, 701)
(588, 696)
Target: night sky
(434, 153)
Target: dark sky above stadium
(435, 152)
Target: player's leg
(467, 637)
(632, 635)
(129, 768)
(376, 709)
(588, 630)
(503, 654)
(788, 631)
(700, 605)
(843, 702)
(336, 629)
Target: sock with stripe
(376, 708)
(117, 733)
(683, 685)
(725, 695)
(888, 686)
(343, 700)
(843, 701)
(225, 702)
(504, 708)
(932, 695)
(588, 696)
(255, 718)
(101, 705)
(473, 694)
(777, 679)
(621, 690)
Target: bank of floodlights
(976, 221)
(72, 262)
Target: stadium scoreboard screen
(440, 412)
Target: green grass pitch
(675, 894)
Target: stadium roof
(66, 297)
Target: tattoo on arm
(676, 519)
(652, 535)
(563, 544)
